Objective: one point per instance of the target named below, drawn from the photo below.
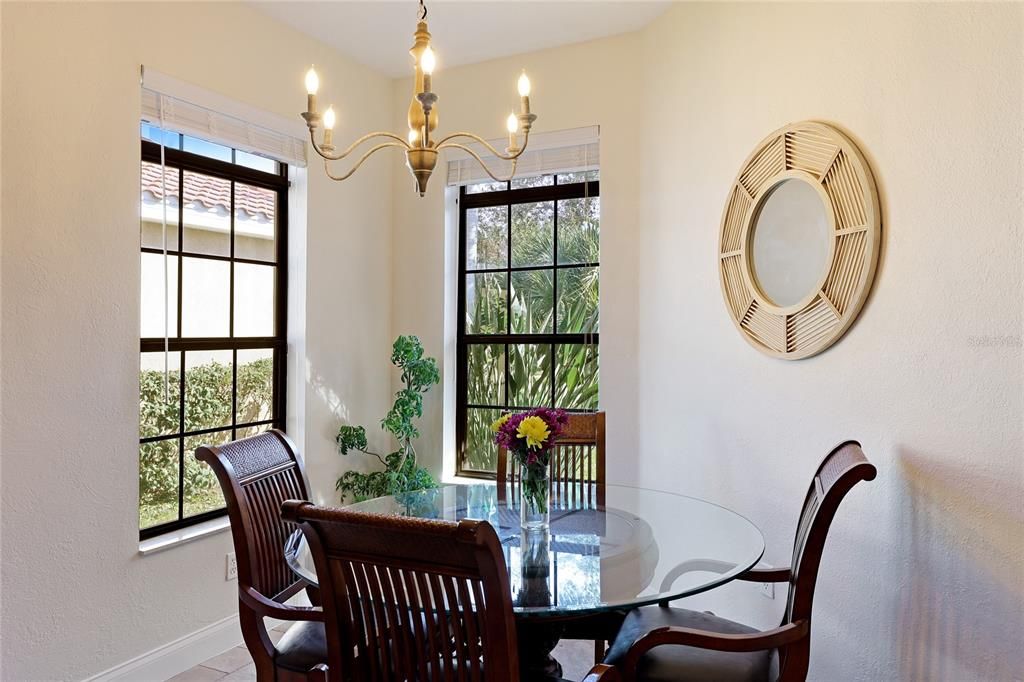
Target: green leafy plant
(401, 473)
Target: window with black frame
(213, 315)
(529, 277)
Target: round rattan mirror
(799, 240)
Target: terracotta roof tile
(212, 192)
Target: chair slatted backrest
(842, 469)
(577, 465)
(256, 475)
(410, 599)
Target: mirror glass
(789, 248)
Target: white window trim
(183, 536)
(450, 349)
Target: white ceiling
(379, 33)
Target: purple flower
(507, 435)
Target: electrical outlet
(768, 590)
(231, 567)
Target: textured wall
(77, 596)
(923, 576)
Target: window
(220, 373)
(528, 304)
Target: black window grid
(510, 197)
(178, 345)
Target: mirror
(790, 242)
(802, 214)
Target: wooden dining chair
(577, 465)
(659, 643)
(256, 475)
(409, 599)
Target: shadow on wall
(319, 464)
(961, 606)
(323, 462)
(326, 395)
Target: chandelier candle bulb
(329, 120)
(512, 123)
(524, 91)
(312, 85)
(427, 62)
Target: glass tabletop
(640, 547)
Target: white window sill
(464, 480)
(180, 537)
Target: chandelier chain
(423, 11)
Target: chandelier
(420, 148)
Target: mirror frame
(825, 158)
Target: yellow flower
(499, 422)
(534, 430)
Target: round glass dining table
(639, 547)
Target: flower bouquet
(529, 437)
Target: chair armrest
(703, 639)
(766, 575)
(272, 609)
(603, 673)
(692, 565)
(754, 575)
(287, 593)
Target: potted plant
(401, 473)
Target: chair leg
(313, 594)
(264, 672)
(600, 647)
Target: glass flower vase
(534, 498)
(534, 587)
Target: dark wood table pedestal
(537, 639)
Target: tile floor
(235, 664)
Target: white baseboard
(186, 652)
(168, 660)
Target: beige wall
(77, 596)
(478, 98)
(922, 578)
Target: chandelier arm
(513, 159)
(337, 157)
(364, 157)
(445, 142)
